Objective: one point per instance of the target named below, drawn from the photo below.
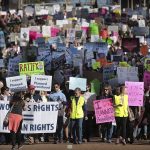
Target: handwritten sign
(31, 68)
(135, 92)
(77, 83)
(41, 82)
(17, 83)
(1, 63)
(104, 111)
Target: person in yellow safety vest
(121, 113)
(78, 112)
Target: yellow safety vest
(77, 110)
(121, 111)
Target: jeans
(121, 126)
(76, 126)
(59, 129)
(16, 137)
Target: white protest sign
(56, 8)
(38, 117)
(1, 63)
(17, 83)
(46, 31)
(141, 38)
(77, 83)
(71, 35)
(41, 82)
(127, 74)
(61, 22)
(24, 34)
(141, 23)
(113, 28)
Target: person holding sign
(121, 113)
(106, 128)
(78, 111)
(15, 119)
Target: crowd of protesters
(76, 122)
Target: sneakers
(124, 142)
(117, 141)
(20, 146)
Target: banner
(17, 83)
(31, 68)
(104, 111)
(24, 34)
(146, 79)
(77, 83)
(135, 92)
(41, 82)
(38, 118)
(127, 74)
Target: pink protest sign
(104, 110)
(54, 31)
(146, 79)
(32, 35)
(135, 91)
(39, 35)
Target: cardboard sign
(41, 82)
(135, 92)
(146, 79)
(77, 83)
(130, 44)
(17, 83)
(104, 111)
(31, 68)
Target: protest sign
(141, 23)
(146, 79)
(46, 31)
(13, 67)
(59, 61)
(2, 39)
(130, 44)
(56, 8)
(144, 50)
(127, 74)
(102, 48)
(89, 55)
(141, 39)
(37, 118)
(24, 34)
(108, 72)
(104, 111)
(94, 29)
(116, 58)
(147, 64)
(41, 82)
(141, 31)
(113, 28)
(31, 68)
(77, 83)
(17, 83)
(1, 63)
(135, 91)
(54, 31)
